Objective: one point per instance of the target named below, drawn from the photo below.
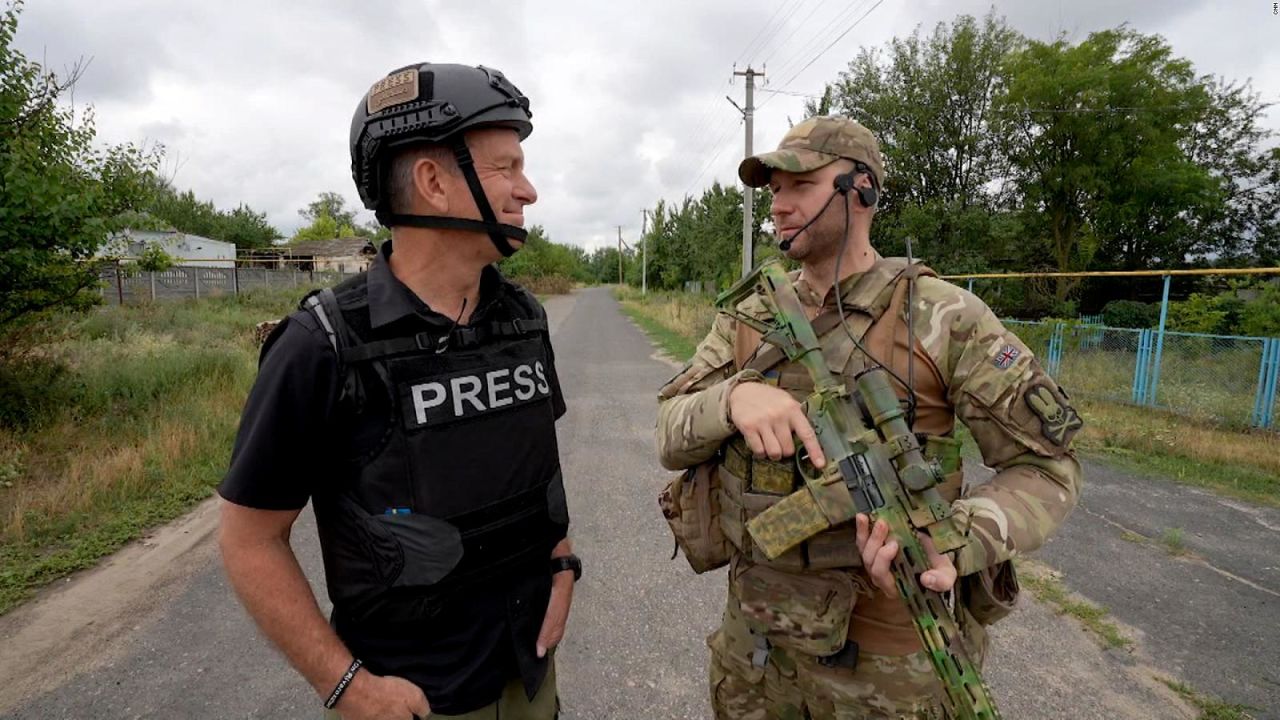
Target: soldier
(414, 406)
(820, 632)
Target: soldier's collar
(863, 291)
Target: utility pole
(747, 193)
(619, 254)
(644, 252)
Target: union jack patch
(1006, 356)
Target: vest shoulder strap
(881, 338)
(323, 305)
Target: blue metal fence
(1228, 379)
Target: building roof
(131, 242)
(339, 248)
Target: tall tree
(540, 258)
(1242, 226)
(701, 240)
(328, 217)
(329, 204)
(59, 196)
(1094, 138)
(929, 102)
(184, 212)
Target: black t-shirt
(294, 432)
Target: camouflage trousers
(794, 686)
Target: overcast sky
(253, 100)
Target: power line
(773, 38)
(707, 119)
(790, 92)
(794, 30)
(709, 162)
(761, 32)
(823, 35)
(833, 44)
(716, 130)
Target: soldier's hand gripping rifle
(874, 466)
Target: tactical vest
(452, 476)
(749, 485)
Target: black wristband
(342, 684)
(567, 562)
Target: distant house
(184, 248)
(349, 255)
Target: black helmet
(434, 103)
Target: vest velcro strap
(517, 327)
(386, 348)
(463, 337)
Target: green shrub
(32, 390)
(1261, 315)
(154, 259)
(1201, 313)
(1130, 314)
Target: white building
(182, 247)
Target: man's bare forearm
(274, 590)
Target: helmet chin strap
(497, 232)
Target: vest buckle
(425, 341)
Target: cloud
(253, 100)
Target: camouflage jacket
(968, 366)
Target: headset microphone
(785, 245)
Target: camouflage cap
(815, 143)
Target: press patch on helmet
(394, 89)
(1058, 420)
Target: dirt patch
(71, 627)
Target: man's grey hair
(400, 180)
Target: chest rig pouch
(452, 475)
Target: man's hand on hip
(377, 697)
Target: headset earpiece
(844, 183)
(868, 196)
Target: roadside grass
(124, 419)
(1239, 463)
(679, 347)
(1211, 708)
(1174, 541)
(1048, 588)
(1133, 537)
(1234, 462)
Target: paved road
(1210, 617)
(156, 633)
